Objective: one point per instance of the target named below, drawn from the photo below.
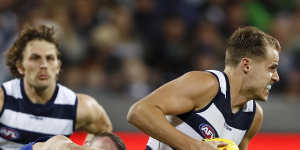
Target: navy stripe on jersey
(195, 121)
(216, 119)
(23, 121)
(25, 136)
(241, 120)
(50, 110)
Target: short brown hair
(14, 55)
(116, 139)
(248, 42)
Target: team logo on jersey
(207, 131)
(9, 133)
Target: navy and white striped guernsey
(22, 121)
(214, 120)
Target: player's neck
(39, 95)
(238, 99)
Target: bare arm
(193, 90)
(91, 116)
(1, 99)
(255, 127)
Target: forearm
(153, 122)
(91, 116)
(96, 127)
(106, 126)
(103, 121)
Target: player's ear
(59, 64)
(245, 64)
(20, 67)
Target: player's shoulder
(12, 88)
(56, 138)
(65, 90)
(258, 118)
(201, 77)
(86, 101)
(85, 97)
(2, 95)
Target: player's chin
(42, 84)
(263, 97)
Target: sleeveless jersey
(22, 121)
(214, 120)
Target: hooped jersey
(22, 121)
(214, 120)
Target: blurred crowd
(130, 47)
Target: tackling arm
(91, 116)
(255, 127)
(1, 98)
(193, 90)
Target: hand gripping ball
(230, 144)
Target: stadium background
(120, 50)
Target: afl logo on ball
(207, 131)
(9, 133)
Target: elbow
(101, 125)
(110, 127)
(134, 113)
(104, 127)
(107, 126)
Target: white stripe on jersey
(249, 106)
(217, 120)
(64, 92)
(235, 134)
(211, 114)
(222, 80)
(188, 130)
(13, 88)
(33, 123)
(183, 127)
(154, 143)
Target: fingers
(221, 144)
(217, 144)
